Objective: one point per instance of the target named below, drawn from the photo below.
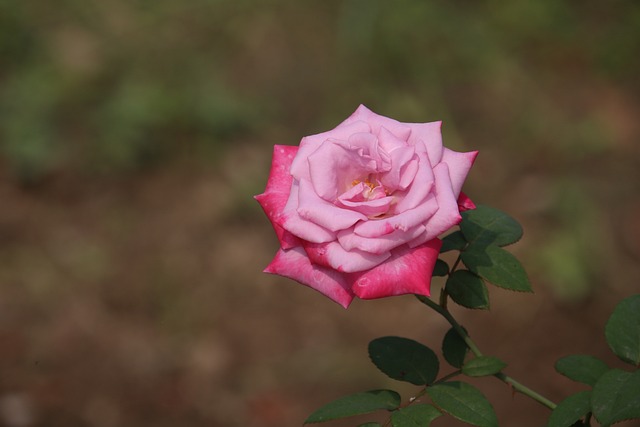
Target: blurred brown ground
(131, 252)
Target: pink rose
(358, 209)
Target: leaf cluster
(483, 234)
(407, 360)
(614, 394)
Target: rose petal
(465, 203)
(325, 214)
(448, 214)
(459, 166)
(333, 255)
(408, 271)
(295, 265)
(309, 144)
(429, 136)
(275, 196)
(370, 208)
(291, 221)
(350, 241)
(421, 186)
(401, 221)
(401, 173)
(367, 145)
(376, 121)
(389, 142)
(366, 200)
(335, 165)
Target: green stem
(454, 323)
(525, 390)
(517, 386)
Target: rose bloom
(358, 209)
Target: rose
(358, 209)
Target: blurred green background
(134, 133)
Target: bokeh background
(133, 135)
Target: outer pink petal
(295, 265)
(408, 271)
(448, 214)
(335, 256)
(275, 196)
(428, 135)
(459, 166)
(465, 203)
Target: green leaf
(356, 404)
(467, 289)
(623, 330)
(497, 266)
(488, 226)
(582, 368)
(464, 402)
(404, 359)
(616, 397)
(571, 409)
(418, 415)
(453, 242)
(483, 366)
(441, 268)
(454, 349)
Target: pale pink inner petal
(401, 221)
(349, 240)
(421, 186)
(295, 265)
(408, 271)
(370, 208)
(367, 145)
(325, 214)
(333, 255)
(389, 142)
(291, 221)
(309, 144)
(365, 200)
(399, 177)
(334, 166)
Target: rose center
(366, 182)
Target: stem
(517, 386)
(454, 323)
(448, 376)
(525, 390)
